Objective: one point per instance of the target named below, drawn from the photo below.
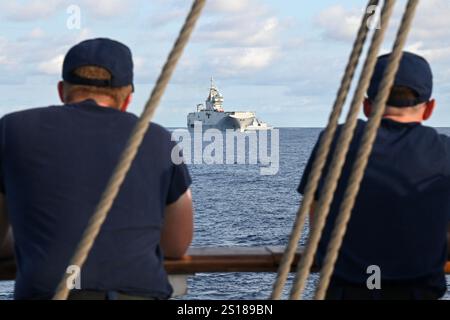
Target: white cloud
(227, 6)
(3, 60)
(241, 60)
(107, 8)
(8, 58)
(82, 35)
(241, 30)
(162, 19)
(30, 10)
(36, 54)
(428, 37)
(139, 62)
(432, 22)
(37, 33)
(51, 57)
(52, 66)
(436, 55)
(239, 23)
(3, 57)
(339, 23)
(233, 37)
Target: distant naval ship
(212, 115)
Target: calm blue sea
(236, 206)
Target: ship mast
(214, 101)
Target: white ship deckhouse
(212, 115)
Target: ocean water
(236, 206)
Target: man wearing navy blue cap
(398, 228)
(54, 164)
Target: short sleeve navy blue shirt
(54, 164)
(402, 211)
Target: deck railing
(207, 260)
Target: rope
(345, 138)
(131, 149)
(364, 151)
(319, 162)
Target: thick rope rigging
(337, 163)
(138, 133)
(130, 151)
(364, 151)
(321, 157)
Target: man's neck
(403, 119)
(105, 102)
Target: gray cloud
(429, 36)
(339, 23)
(244, 44)
(35, 10)
(30, 10)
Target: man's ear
(430, 106)
(61, 91)
(367, 107)
(126, 103)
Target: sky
(283, 59)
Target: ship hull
(221, 120)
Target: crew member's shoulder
(360, 125)
(436, 139)
(29, 113)
(445, 139)
(159, 130)
(158, 138)
(154, 128)
(158, 135)
(434, 134)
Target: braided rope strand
(128, 155)
(319, 162)
(337, 163)
(364, 151)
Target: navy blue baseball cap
(414, 73)
(101, 52)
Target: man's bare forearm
(7, 259)
(4, 221)
(7, 246)
(177, 231)
(448, 242)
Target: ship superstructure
(212, 115)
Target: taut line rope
(130, 151)
(322, 152)
(364, 151)
(337, 163)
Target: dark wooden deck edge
(235, 259)
(207, 260)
